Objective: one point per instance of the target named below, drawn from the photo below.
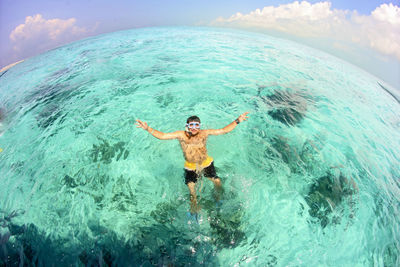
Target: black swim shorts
(192, 176)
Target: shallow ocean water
(311, 179)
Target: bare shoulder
(180, 134)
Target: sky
(365, 33)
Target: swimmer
(193, 143)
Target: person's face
(193, 127)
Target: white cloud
(387, 13)
(380, 30)
(37, 34)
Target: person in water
(193, 143)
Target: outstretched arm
(229, 127)
(157, 134)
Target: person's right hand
(243, 117)
(142, 124)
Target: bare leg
(217, 187)
(194, 207)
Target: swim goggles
(193, 125)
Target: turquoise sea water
(311, 179)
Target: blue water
(311, 179)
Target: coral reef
(326, 195)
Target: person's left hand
(243, 117)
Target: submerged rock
(49, 115)
(226, 229)
(288, 107)
(153, 245)
(105, 152)
(326, 195)
(288, 153)
(69, 181)
(225, 221)
(2, 114)
(123, 197)
(288, 116)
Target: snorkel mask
(193, 125)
